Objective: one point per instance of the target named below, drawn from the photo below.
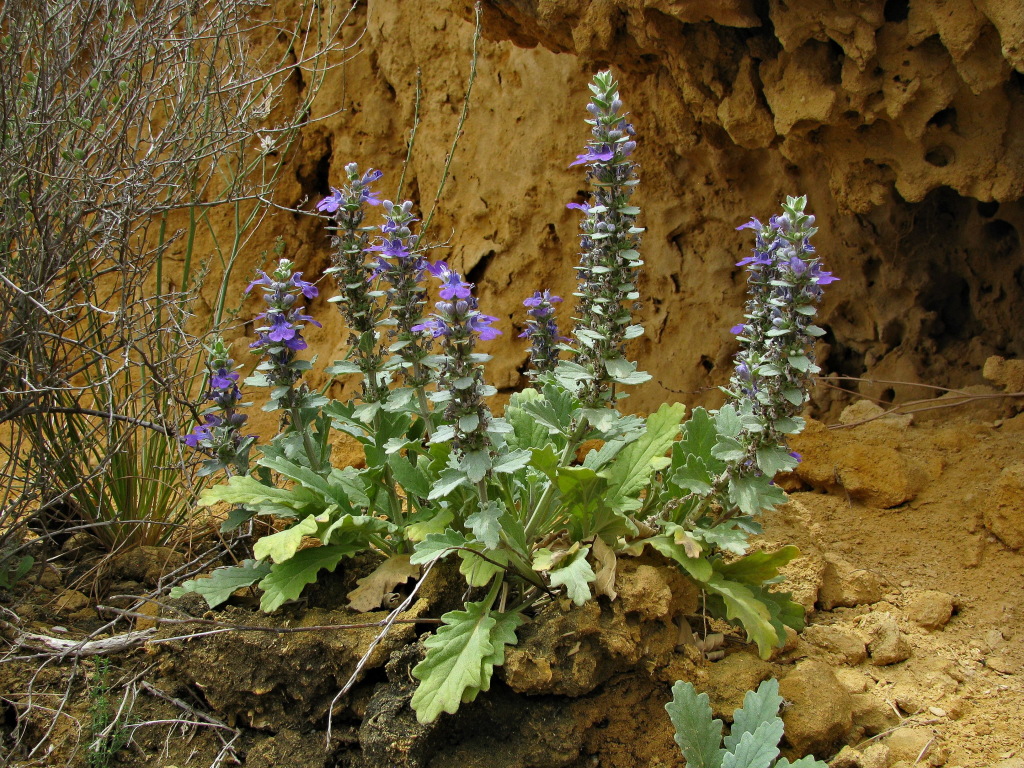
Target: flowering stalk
(278, 342)
(458, 323)
(219, 434)
(609, 258)
(542, 331)
(404, 270)
(358, 305)
(776, 360)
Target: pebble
(937, 711)
(822, 710)
(931, 609)
(888, 646)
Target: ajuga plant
(753, 740)
(508, 499)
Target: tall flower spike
(359, 306)
(281, 337)
(458, 323)
(220, 434)
(609, 259)
(776, 359)
(542, 331)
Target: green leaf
(281, 546)
(286, 581)
(248, 491)
(760, 706)
(632, 468)
(772, 459)
(476, 465)
(699, 435)
(804, 762)
(236, 516)
(222, 582)
(484, 524)
(355, 530)
(693, 476)
(757, 749)
(411, 478)
(699, 569)
(437, 545)
(428, 522)
(729, 449)
(527, 432)
(698, 736)
(450, 480)
(743, 606)
(510, 462)
(725, 536)
(754, 493)
(575, 574)
(555, 410)
(727, 421)
(460, 659)
(478, 571)
(759, 567)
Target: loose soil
(912, 571)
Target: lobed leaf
(286, 581)
(760, 706)
(223, 582)
(697, 734)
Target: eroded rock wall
(903, 121)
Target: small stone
(872, 714)
(937, 711)
(838, 641)
(1004, 508)
(71, 601)
(730, 679)
(930, 609)
(877, 756)
(822, 710)
(852, 680)
(846, 586)
(888, 645)
(1001, 664)
(917, 746)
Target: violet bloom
(600, 155)
(542, 330)
(452, 284)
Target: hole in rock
(476, 274)
(939, 156)
(988, 208)
(943, 118)
(896, 10)
(1003, 239)
(887, 395)
(892, 334)
(707, 363)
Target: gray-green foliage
(751, 743)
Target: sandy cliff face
(902, 121)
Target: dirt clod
(821, 711)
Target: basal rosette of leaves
(507, 499)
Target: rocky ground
(911, 530)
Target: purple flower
(585, 207)
(592, 155)
(395, 248)
(308, 289)
(481, 326)
(332, 203)
(736, 330)
(452, 284)
(435, 325)
(260, 281)
(821, 277)
(222, 379)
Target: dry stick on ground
(227, 749)
(388, 623)
(61, 648)
(929, 404)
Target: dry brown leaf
(372, 589)
(604, 583)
